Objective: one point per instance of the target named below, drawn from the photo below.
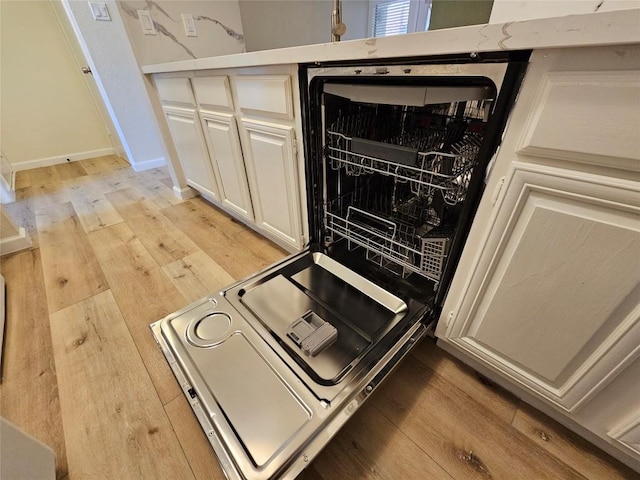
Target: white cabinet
(546, 296)
(248, 168)
(221, 134)
(187, 138)
(270, 158)
(555, 299)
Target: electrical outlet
(189, 25)
(148, 28)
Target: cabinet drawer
(175, 91)
(265, 94)
(588, 117)
(213, 93)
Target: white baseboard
(22, 241)
(149, 164)
(74, 157)
(185, 193)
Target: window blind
(391, 18)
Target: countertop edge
(596, 29)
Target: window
(395, 17)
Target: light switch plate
(189, 25)
(99, 11)
(148, 28)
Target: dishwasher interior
(397, 177)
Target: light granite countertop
(607, 28)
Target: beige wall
(46, 109)
(288, 23)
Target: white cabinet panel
(221, 134)
(194, 160)
(213, 93)
(265, 94)
(628, 433)
(587, 117)
(553, 301)
(175, 91)
(269, 152)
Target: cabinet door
(552, 302)
(270, 158)
(221, 134)
(192, 152)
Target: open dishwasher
(395, 158)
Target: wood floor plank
(264, 249)
(71, 271)
(42, 196)
(29, 389)
(216, 236)
(417, 414)
(96, 166)
(161, 238)
(568, 447)
(310, 473)
(70, 170)
(111, 180)
(23, 179)
(197, 449)
(167, 181)
(370, 446)
(502, 403)
(115, 424)
(116, 162)
(43, 176)
(93, 209)
(144, 295)
(157, 192)
(458, 432)
(197, 276)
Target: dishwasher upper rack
(449, 173)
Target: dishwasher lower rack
(395, 246)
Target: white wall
(47, 112)
(118, 76)
(218, 25)
(513, 10)
(287, 23)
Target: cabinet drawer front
(213, 93)
(588, 117)
(265, 94)
(175, 91)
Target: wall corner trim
(13, 244)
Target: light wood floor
(115, 251)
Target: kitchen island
(539, 302)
